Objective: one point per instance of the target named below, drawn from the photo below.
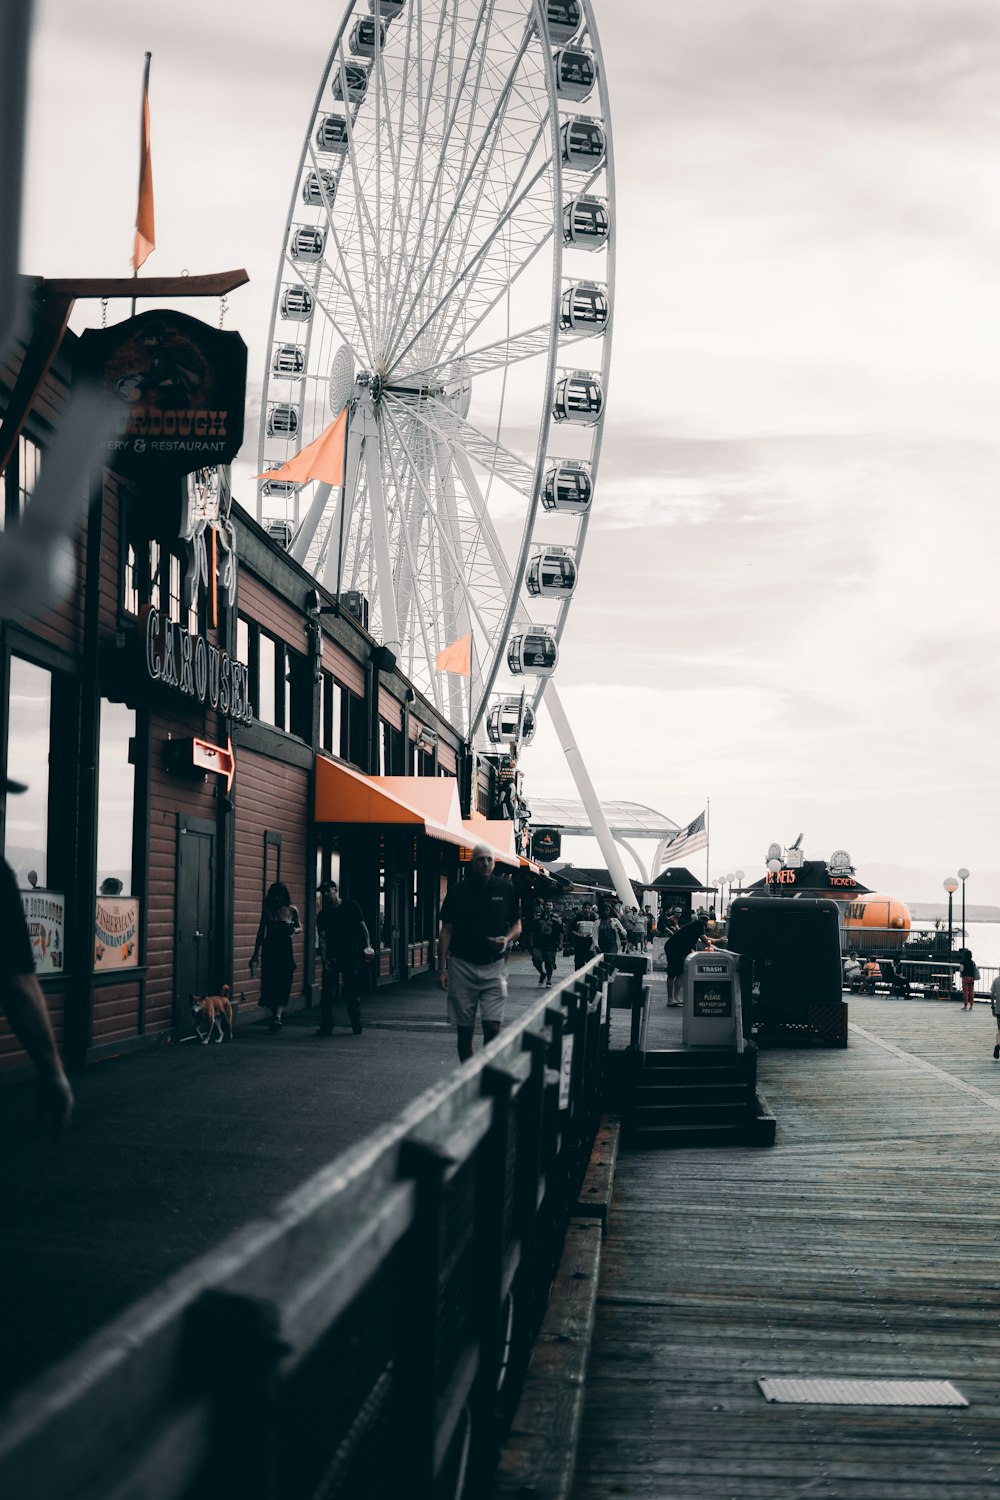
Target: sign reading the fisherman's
(183, 384)
(546, 843)
(193, 666)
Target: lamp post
(963, 876)
(740, 876)
(729, 882)
(951, 886)
(774, 865)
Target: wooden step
(732, 1091)
(689, 1114)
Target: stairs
(684, 1097)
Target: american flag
(686, 841)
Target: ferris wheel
(446, 283)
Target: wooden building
(194, 722)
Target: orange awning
(428, 804)
(497, 832)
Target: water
(984, 940)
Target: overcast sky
(789, 599)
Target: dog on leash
(213, 1016)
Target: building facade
(172, 719)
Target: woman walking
(969, 976)
(278, 921)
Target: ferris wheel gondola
(449, 201)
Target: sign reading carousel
(183, 384)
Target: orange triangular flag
(457, 657)
(322, 459)
(145, 229)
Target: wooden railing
(367, 1339)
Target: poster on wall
(116, 929)
(45, 914)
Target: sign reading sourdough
(189, 663)
(183, 384)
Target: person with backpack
(611, 935)
(583, 935)
(995, 1008)
(546, 939)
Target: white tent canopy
(625, 819)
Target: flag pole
(143, 149)
(708, 836)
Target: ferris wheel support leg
(334, 566)
(588, 796)
(303, 538)
(380, 534)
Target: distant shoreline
(930, 911)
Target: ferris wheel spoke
(414, 260)
(496, 356)
(465, 274)
(359, 197)
(424, 102)
(411, 574)
(445, 541)
(493, 124)
(350, 340)
(447, 424)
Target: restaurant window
(357, 732)
(242, 640)
(300, 688)
(157, 590)
(384, 749)
(29, 734)
(115, 800)
(331, 714)
(173, 570)
(266, 671)
(19, 480)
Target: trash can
(711, 1000)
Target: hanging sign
(183, 385)
(546, 844)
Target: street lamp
(729, 882)
(963, 876)
(740, 876)
(774, 865)
(951, 886)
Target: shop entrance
(194, 937)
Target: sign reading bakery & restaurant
(183, 385)
(190, 664)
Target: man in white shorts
(480, 917)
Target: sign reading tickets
(183, 385)
(116, 928)
(45, 914)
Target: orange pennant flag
(322, 459)
(457, 657)
(145, 229)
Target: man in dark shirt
(23, 1002)
(344, 946)
(480, 917)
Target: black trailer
(790, 966)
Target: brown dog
(217, 1011)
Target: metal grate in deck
(797, 1391)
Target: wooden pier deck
(864, 1244)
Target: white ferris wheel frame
(452, 442)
